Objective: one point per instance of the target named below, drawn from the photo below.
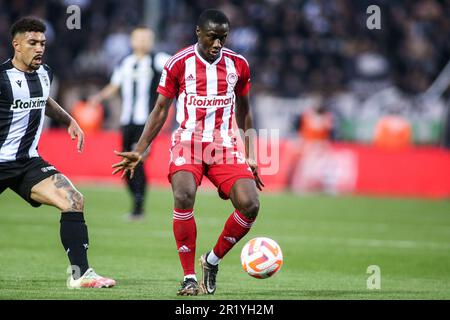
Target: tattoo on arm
(74, 197)
(57, 113)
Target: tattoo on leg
(60, 181)
(74, 197)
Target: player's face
(29, 48)
(142, 40)
(211, 39)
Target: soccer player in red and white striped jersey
(211, 85)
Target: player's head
(212, 31)
(142, 40)
(28, 41)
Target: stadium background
(302, 54)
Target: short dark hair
(27, 24)
(141, 26)
(212, 15)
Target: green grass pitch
(327, 243)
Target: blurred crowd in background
(304, 54)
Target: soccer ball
(261, 257)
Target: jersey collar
(203, 60)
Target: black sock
(74, 237)
(138, 188)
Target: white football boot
(90, 280)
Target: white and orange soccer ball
(261, 257)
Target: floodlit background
(358, 129)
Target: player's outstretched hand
(128, 164)
(254, 166)
(75, 131)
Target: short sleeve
(116, 77)
(161, 59)
(243, 84)
(168, 83)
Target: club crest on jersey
(180, 161)
(45, 80)
(232, 78)
(32, 103)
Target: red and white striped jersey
(205, 94)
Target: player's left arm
(244, 121)
(57, 113)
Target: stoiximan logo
(32, 103)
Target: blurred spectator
(89, 116)
(393, 132)
(316, 123)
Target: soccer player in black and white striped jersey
(24, 101)
(137, 78)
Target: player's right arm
(106, 93)
(155, 122)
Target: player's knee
(249, 207)
(77, 201)
(184, 199)
(72, 201)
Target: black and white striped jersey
(23, 97)
(138, 80)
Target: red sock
(236, 227)
(185, 232)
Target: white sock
(212, 258)
(192, 276)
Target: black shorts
(22, 175)
(130, 136)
